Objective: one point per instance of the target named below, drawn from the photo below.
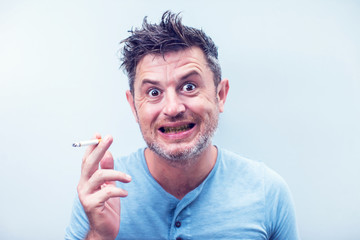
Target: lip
(179, 135)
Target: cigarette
(86, 143)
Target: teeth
(176, 129)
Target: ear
(222, 92)
(130, 99)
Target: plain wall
(294, 71)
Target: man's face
(176, 103)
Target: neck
(178, 180)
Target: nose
(173, 105)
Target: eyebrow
(148, 81)
(189, 75)
(157, 83)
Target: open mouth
(178, 129)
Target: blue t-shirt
(239, 199)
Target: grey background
(293, 103)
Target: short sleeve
(79, 224)
(279, 207)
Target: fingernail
(106, 138)
(128, 177)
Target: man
(181, 186)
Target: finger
(90, 148)
(99, 151)
(104, 176)
(107, 162)
(88, 151)
(91, 164)
(100, 197)
(108, 192)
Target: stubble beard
(190, 154)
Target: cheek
(202, 105)
(147, 113)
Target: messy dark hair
(170, 35)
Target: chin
(181, 154)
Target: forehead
(189, 59)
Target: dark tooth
(177, 129)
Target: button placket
(181, 218)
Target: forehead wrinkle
(148, 73)
(174, 64)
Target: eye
(154, 92)
(188, 87)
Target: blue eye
(188, 87)
(154, 92)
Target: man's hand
(98, 193)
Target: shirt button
(178, 224)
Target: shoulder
(252, 172)
(131, 161)
(243, 167)
(271, 188)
